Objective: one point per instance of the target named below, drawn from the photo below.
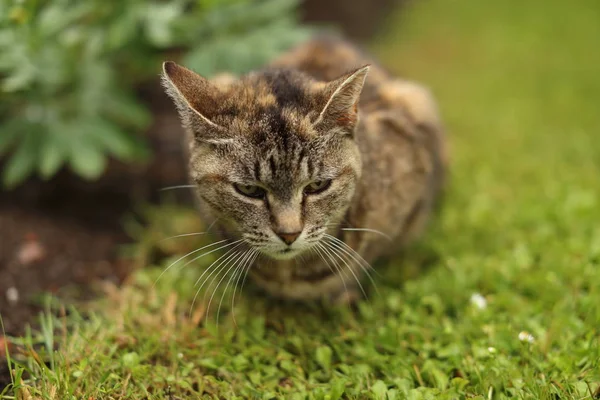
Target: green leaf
(379, 390)
(86, 160)
(22, 162)
(159, 21)
(52, 154)
(56, 17)
(323, 356)
(126, 110)
(110, 138)
(20, 78)
(124, 29)
(435, 375)
(337, 389)
(10, 132)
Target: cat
(313, 167)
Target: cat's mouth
(285, 254)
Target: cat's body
(293, 138)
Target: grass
(500, 300)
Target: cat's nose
(287, 237)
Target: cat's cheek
(247, 213)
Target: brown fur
(307, 119)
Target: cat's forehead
(271, 104)
(272, 116)
(286, 164)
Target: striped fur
(312, 116)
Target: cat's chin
(286, 254)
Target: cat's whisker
(361, 262)
(231, 276)
(188, 254)
(369, 230)
(319, 247)
(344, 247)
(338, 268)
(353, 229)
(244, 272)
(256, 255)
(238, 270)
(237, 243)
(212, 224)
(183, 235)
(336, 252)
(221, 265)
(176, 187)
(234, 265)
(358, 258)
(218, 262)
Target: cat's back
(327, 57)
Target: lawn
(500, 299)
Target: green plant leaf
(337, 389)
(22, 162)
(159, 21)
(20, 79)
(126, 110)
(52, 154)
(86, 159)
(10, 132)
(379, 390)
(323, 356)
(109, 137)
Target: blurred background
(88, 140)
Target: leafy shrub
(68, 70)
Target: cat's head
(273, 154)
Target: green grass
(519, 86)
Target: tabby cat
(313, 167)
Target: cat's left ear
(196, 100)
(341, 108)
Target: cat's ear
(196, 100)
(342, 102)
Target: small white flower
(492, 350)
(478, 301)
(12, 295)
(526, 337)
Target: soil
(43, 251)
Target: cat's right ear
(196, 100)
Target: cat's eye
(250, 190)
(317, 186)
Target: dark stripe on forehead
(286, 87)
(272, 165)
(257, 171)
(278, 125)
